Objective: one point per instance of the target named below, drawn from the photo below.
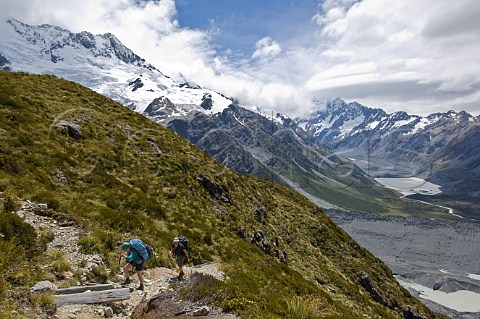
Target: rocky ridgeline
(158, 300)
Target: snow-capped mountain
(368, 134)
(102, 63)
(400, 144)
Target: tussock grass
(303, 308)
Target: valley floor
(437, 260)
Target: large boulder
(74, 130)
(43, 286)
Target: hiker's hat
(125, 245)
(176, 240)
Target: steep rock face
(4, 62)
(208, 134)
(459, 160)
(207, 102)
(161, 108)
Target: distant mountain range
(441, 147)
(290, 152)
(386, 144)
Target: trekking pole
(119, 262)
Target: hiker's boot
(140, 287)
(180, 275)
(127, 281)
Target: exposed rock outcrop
(207, 101)
(215, 189)
(411, 313)
(261, 215)
(367, 283)
(74, 130)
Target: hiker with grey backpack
(180, 248)
(136, 254)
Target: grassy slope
(122, 185)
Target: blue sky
(238, 25)
(400, 55)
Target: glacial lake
(462, 300)
(410, 185)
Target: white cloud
(266, 48)
(401, 54)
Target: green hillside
(127, 176)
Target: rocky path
(158, 281)
(64, 231)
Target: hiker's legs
(139, 269)
(180, 261)
(140, 277)
(126, 268)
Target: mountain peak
(62, 45)
(103, 63)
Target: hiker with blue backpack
(136, 254)
(180, 249)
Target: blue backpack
(144, 251)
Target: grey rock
(367, 283)
(20, 214)
(203, 311)
(242, 232)
(97, 259)
(410, 312)
(42, 286)
(215, 189)
(261, 215)
(259, 240)
(74, 130)
(136, 84)
(61, 177)
(207, 101)
(50, 309)
(91, 265)
(437, 285)
(4, 63)
(155, 146)
(160, 108)
(108, 312)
